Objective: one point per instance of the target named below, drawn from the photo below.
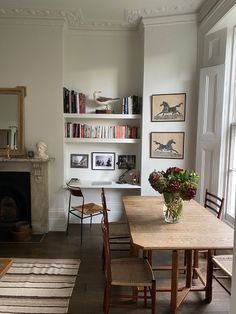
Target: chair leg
(145, 296)
(103, 258)
(81, 231)
(106, 299)
(153, 292)
(68, 221)
(91, 220)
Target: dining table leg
(174, 281)
(189, 268)
(209, 276)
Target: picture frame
(79, 160)
(167, 145)
(168, 107)
(103, 161)
(126, 161)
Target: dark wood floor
(88, 293)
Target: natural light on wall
(231, 204)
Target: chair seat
(224, 262)
(118, 230)
(89, 208)
(131, 272)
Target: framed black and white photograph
(103, 161)
(167, 145)
(79, 160)
(168, 107)
(126, 161)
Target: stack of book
(131, 104)
(81, 130)
(73, 102)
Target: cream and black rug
(38, 286)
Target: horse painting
(166, 147)
(168, 109)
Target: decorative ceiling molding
(173, 19)
(133, 16)
(206, 8)
(75, 19)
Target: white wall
(31, 56)
(107, 61)
(44, 59)
(170, 61)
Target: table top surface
(197, 229)
(5, 264)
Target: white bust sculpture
(41, 151)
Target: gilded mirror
(11, 121)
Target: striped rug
(38, 286)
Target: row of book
(73, 102)
(131, 104)
(78, 130)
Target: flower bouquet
(176, 185)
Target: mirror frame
(20, 91)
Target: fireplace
(15, 201)
(24, 193)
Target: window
(231, 193)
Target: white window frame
(231, 191)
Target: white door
(209, 136)
(211, 111)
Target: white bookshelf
(102, 140)
(88, 145)
(102, 116)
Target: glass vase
(172, 208)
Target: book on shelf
(131, 104)
(82, 130)
(66, 93)
(73, 101)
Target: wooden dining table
(197, 229)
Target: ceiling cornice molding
(173, 19)
(215, 14)
(75, 19)
(206, 8)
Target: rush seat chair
(215, 205)
(82, 210)
(132, 272)
(118, 233)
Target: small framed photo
(103, 161)
(126, 161)
(79, 160)
(168, 107)
(167, 145)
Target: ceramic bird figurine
(103, 100)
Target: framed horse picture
(167, 145)
(168, 107)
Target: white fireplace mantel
(39, 187)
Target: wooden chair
(224, 264)
(81, 211)
(130, 272)
(215, 204)
(118, 233)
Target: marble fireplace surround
(38, 185)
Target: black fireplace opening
(15, 200)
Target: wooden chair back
(214, 203)
(75, 191)
(107, 253)
(105, 211)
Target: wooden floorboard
(88, 293)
